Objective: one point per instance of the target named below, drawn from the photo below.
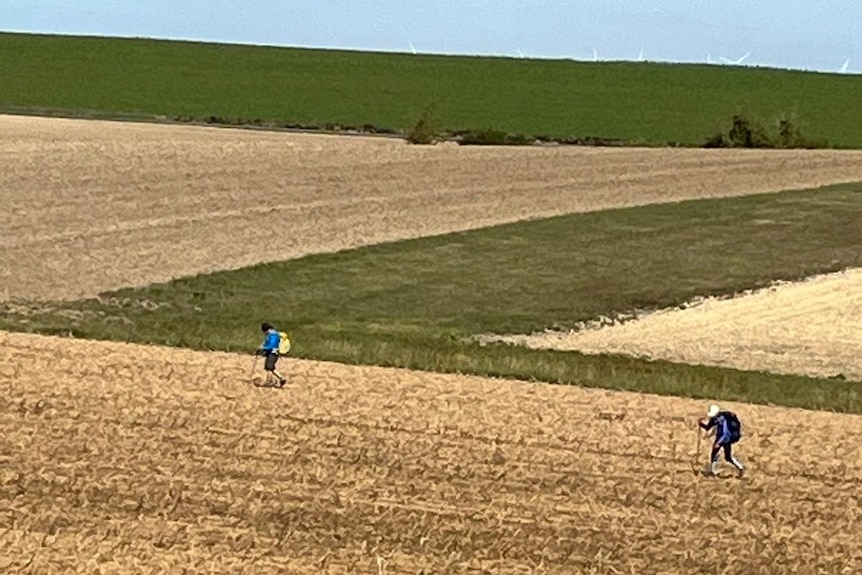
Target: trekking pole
(699, 438)
(253, 365)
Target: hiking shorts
(270, 361)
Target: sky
(800, 34)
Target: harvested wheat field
(126, 459)
(813, 327)
(89, 206)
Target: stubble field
(129, 459)
(120, 458)
(90, 206)
(812, 327)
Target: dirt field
(127, 459)
(123, 459)
(812, 327)
(90, 206)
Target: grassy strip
(630, 102)
(413, 303)
(445, 354)
(602, 371)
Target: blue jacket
(727, 427)
(272, 341)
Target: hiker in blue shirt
(728, 430)
(269, 350)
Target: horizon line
(407, 51)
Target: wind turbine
(412, 49)
(843, 69)
(595, 55)
(520, 54)
(736, 62)
(641, 56)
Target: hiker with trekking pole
(275, 344)
(728, 431)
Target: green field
(635, 102)
(417, 303)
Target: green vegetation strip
(632, 102)
(417, 303)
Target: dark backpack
(733, 425)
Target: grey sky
(805, 34)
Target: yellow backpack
(284, 344)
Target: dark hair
(265, 326)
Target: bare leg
(271, 360)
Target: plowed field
(812, 327)
(128, 459)
(123, 459)
(90, 206)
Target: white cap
(713, 411)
